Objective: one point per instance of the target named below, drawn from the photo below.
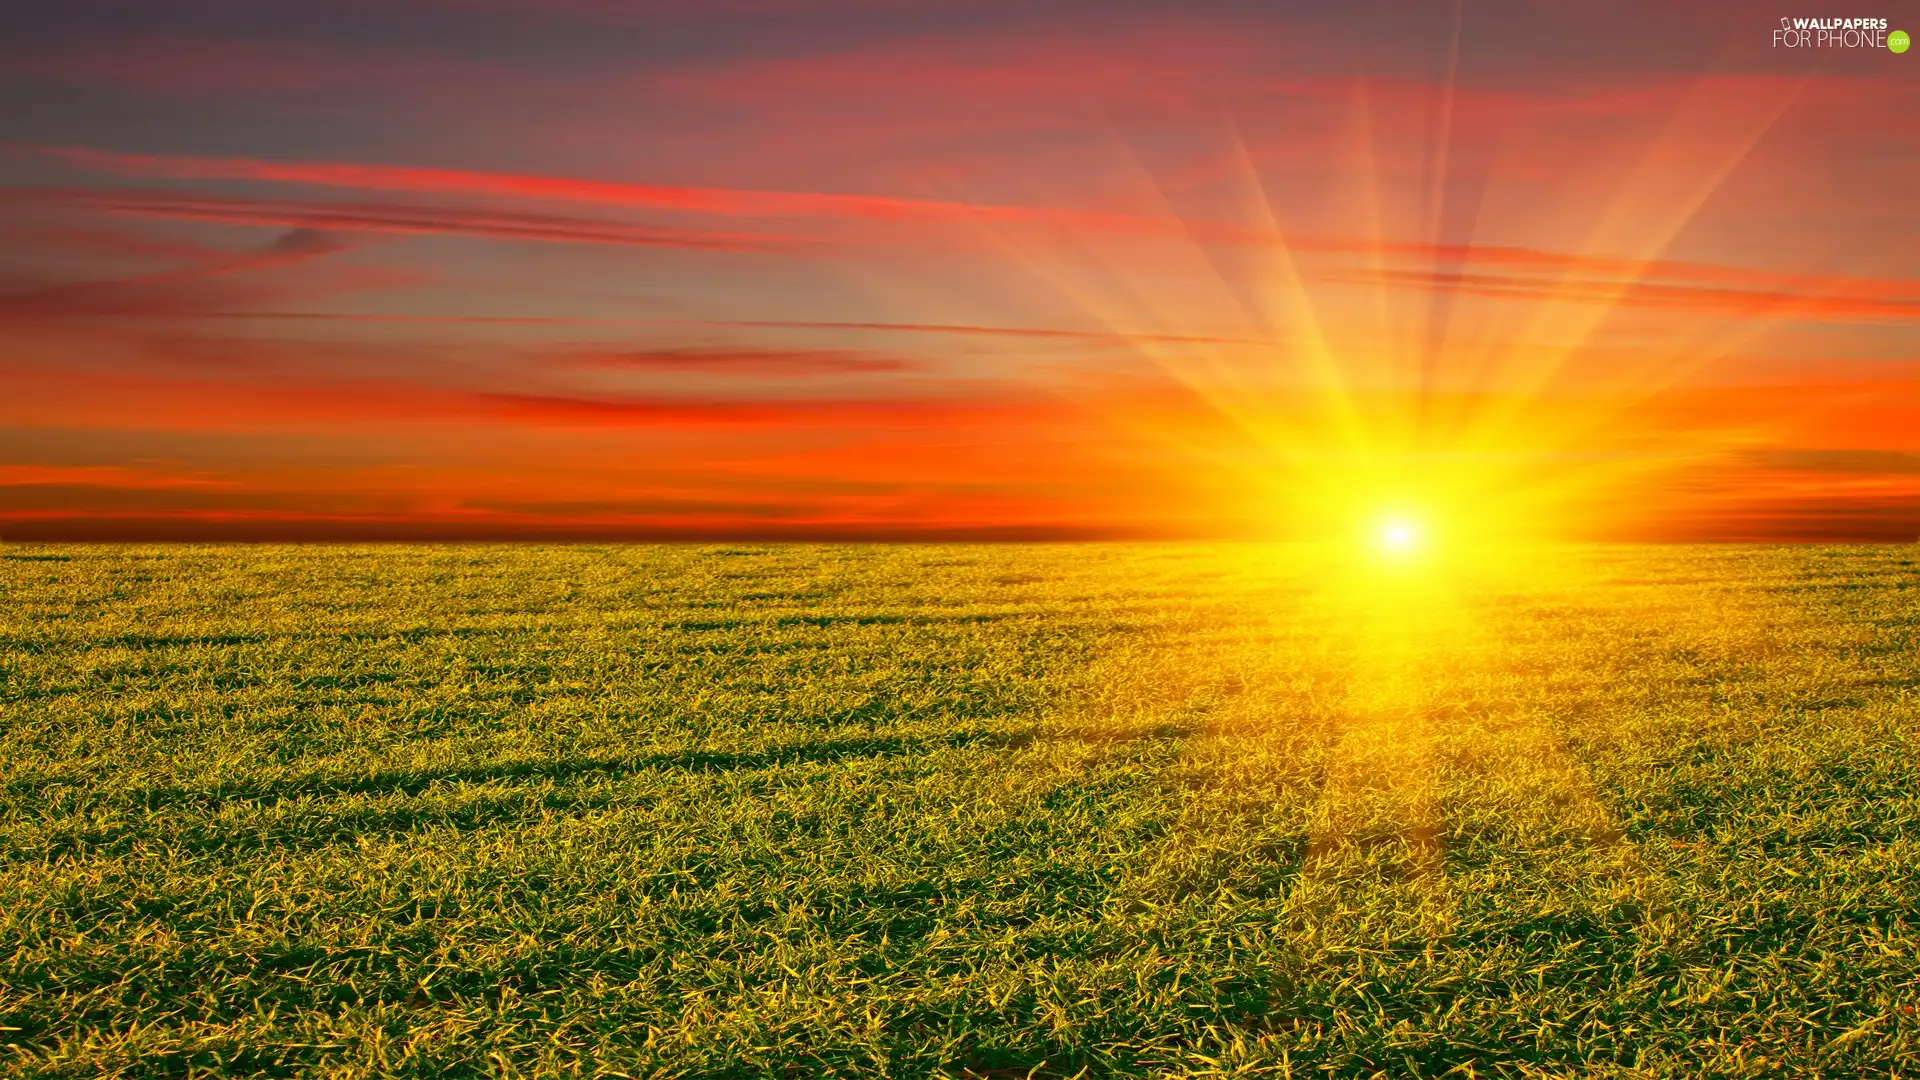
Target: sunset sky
(892, 269)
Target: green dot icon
(1898, 41)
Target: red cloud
(45, 398)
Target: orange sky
(786, 268)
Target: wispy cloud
(735, 202)
(207, 282)
(1662, 295)
(1846, 462)
(735, 361)
(391, 218)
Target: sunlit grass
(1133, 810)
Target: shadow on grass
(267, 792)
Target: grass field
(1139, 810)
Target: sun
(1399, 535)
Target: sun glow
(1350, 365)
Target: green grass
(924, 811)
